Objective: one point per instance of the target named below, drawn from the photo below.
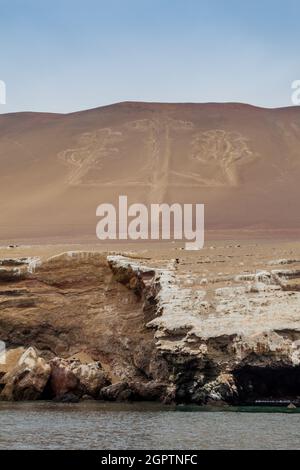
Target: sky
(68, 55)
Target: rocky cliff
(111, 327)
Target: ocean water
(110, 426)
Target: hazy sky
(66, 55)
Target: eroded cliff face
(75, 305)
(127, 329)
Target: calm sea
(96, 425)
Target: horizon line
(157, 103)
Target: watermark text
(296, 92)
(2, 92)
(2, 352)
(183, 222)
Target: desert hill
(243, 162)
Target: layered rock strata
(113, 328)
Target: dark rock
(67, 398)
(117, 392)
(63, 381)
(148, 391)
(27, 380)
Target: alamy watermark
(296, 92)
(2, 352)
(183, 222)
(2, 92)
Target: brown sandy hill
(243, 162)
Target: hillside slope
(243, 162)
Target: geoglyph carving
(227, 149)
(93, 148)
(219, 154)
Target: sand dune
(243, 162)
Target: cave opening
(263, 385)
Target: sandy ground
(219, 257)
